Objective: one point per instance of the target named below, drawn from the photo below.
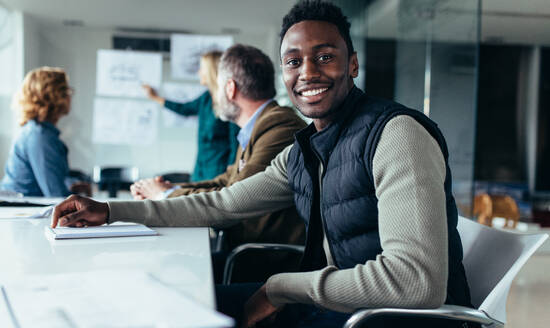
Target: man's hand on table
(150, 188)
(258, 308)
(78, 211)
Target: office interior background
(479, 68)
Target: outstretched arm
(255, 196)
(260, 194)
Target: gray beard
(228, 111)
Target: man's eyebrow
(324, 45)
(316, 47)
(289, 51)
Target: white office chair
(492, 258)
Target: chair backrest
(122, 174)
(115, 178)
(176, 177)
(492, 258)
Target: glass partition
(424, 54)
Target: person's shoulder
(32, 129)
(404, 123)
(374, 110)
(276, 114)
(382, 103)
(40, 133)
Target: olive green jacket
(273, 131)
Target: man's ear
(353, 65)
(230, 89)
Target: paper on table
(31, 201)
(113, 230)
(9, 193)
(22, 212)
(115, 298)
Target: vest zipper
(325, 234)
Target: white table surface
(178, 257)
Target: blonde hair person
(37, 164)
(217, 141)
(208, 74)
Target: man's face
(227, 110)
(317, 71)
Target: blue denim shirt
(37, 164)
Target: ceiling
(516, 21)
(503, 21)
(199, 16)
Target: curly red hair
(44, 95)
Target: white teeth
(309, 93)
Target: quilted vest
(347, 205)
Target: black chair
(114, 179)
(78, 175)
(261, 250)
(79, 183)
(176, 177)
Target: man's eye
(292, 62)
(324, 58)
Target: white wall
(75, 49)
(11, 68)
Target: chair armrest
(237, 251)
(452, 312)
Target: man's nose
(309, 71)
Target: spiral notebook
(104, 231)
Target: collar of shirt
(246, 131)
(44, 125)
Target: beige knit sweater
(411, 271)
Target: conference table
(149, 281)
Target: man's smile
(312, 94)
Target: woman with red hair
(37, 164)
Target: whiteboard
(121, 73)
(182, 93)
(186, 50)
(124, 121)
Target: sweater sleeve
(218, 183)
(409, 172)
(262, 193)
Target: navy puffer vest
(347, 205)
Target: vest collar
(324, 141)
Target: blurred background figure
(37, 164)
(217, 141)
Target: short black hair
(251, 69)
(318, 11)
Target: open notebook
(113, 230)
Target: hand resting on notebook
(78, 211)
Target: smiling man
(369, 177)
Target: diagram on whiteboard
(121, 73)
(124, 121)
(186, 51)
(181, 93)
